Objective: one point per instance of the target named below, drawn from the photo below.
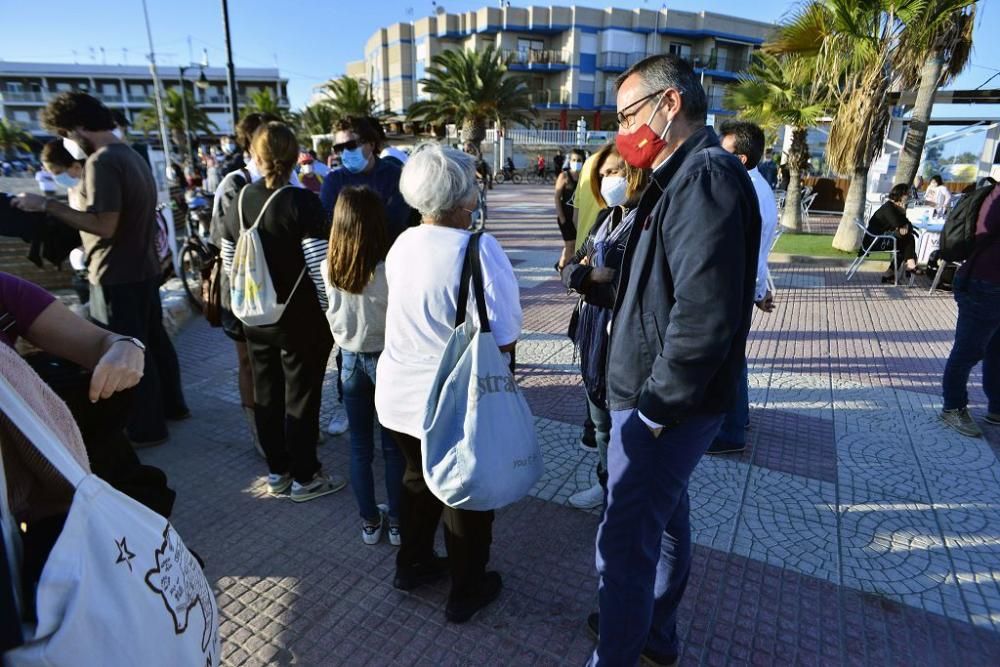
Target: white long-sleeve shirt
(768, 228)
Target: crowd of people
(665, 231)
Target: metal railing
(542, 137)
(722, 63)
(24, 96)
(533, 57)
(544, 98)
(619, 60)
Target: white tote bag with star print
(119, 587)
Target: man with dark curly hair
(118, 229)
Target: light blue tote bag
(479, 448)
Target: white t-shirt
(46, 181)
(768, 228)
(423, 270)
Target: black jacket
(574, 274)
(685, 295)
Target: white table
(930, 229)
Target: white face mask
(118, 134)
(575, 165)
(613, 190)
(67, 181)
(74, 149)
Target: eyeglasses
(346, 146)
(626, 119)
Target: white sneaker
(338, 424)
(278, 484)
(393, 528)
(588, 499)
(372, 533)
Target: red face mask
(641, 147)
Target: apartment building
(25, 88)
(571, 55)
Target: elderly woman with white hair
(423, 270)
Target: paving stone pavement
(855, 529)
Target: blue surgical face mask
(67, 181)
(575, 165)
(354, 160)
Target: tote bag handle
(472, 268)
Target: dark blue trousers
(644, 541)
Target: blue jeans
(734, 424)
(644, 542)
(358, 376)
(977, 338)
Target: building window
(14, 87)
(527, 45)
(22, 116)
(550, 125)
(680, 50)
(63, 87)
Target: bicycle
(507, 175)
(196, 253)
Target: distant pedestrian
(357, 292)
(558, 160)
(768, 168)
(977, 332)
(565, 191)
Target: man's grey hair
(660, 72)
(437, 180)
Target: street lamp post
(203, 84)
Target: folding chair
(942, 265)
(807, 202)
(867, 248)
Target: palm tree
(777, 91)
(349, 97)
(316, 119)
(12, 137)
(199, 122)
(936, 49)
(262, 101)
(473, 88)
(856, 43)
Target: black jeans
(467, 534)
(134, 309)
(288, 385)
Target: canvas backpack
(959, 235)
(254, 299)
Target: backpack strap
(260, 216)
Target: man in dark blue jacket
(356, 143)
(676, 351)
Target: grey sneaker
(278, 484)
(992, 418)
(320, 485)
(960, 420)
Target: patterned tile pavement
(855, 529)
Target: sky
(311, 42)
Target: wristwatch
(131, 339)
